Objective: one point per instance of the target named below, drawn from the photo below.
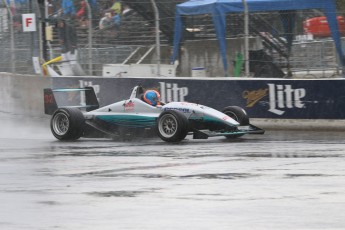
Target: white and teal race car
(172, 122)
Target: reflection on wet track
(280, 180)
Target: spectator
(127, 11)
(116, 7)
(82, 12)
(94, 10)
(54, 10)
(69, 52)
(67, 37)
(117, 20)
(106, 22)
(93, 5)
(68, 8)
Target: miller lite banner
(29, 22)
(261, 98)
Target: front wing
(249, 129)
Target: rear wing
(83, 98)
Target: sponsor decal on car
(183, 110)
(225, 118)
(49, 99)
(129, 106)
(281, 97)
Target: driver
(152, 97)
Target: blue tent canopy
(219, 8)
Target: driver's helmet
(152, 97)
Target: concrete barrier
(22, 94)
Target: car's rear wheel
(67, 124)
(172, 126)
(239, 115)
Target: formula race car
(172, 122)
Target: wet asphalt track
(280, 180)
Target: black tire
(239, 115)
(172, 126)
(67, 124)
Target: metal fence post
(13, 65)
(246, 38)
(89, 15)
(158, 46)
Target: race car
(132, 117)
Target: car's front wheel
(172, 126)
(67, 124)
(239, 115)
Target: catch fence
(115, 43)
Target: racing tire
(67, 124)
(172, 126)
(239, 115)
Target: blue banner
(285, 99)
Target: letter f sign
(29, 22)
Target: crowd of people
(68, 14)
(105, 15)
(112, 17)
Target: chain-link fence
(112, 32)
(17, 48)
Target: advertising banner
(262, 98)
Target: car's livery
(172, 122)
